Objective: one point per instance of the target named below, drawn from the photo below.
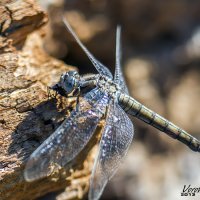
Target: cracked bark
(27, 116)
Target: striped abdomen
(133, 107)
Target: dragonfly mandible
(106, 96)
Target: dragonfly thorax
(109, 86)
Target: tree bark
(27, 115)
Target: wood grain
(27, 115)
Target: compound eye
(69, 84)
(72, 73)
(69, 81)
(68, 87)
(64, 77)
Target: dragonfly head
(69, 81)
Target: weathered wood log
(27, 115)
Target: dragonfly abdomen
(134, 108)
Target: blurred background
(161, 64)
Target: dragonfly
(102, 97)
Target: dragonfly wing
(116, 139)
(69, 139)
(119, 79)
(97, 64)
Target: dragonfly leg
(77, 104)
(77, 99)
(50, 94)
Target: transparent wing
(115, 141)
(69, 139)
(119, 79)
(98, 65)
